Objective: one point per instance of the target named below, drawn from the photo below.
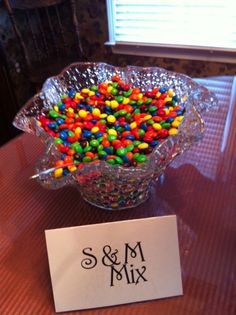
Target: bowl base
(115, 206)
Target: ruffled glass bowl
(101, 184)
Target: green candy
(114, 91)
(135, 156)
(64, 96)
(111, 161)
(141, 158)
(148, 101)
(119, 99)
(94, 88)
(86, 159)
(120, 129)
(137, 111)
(136, 143)
(77, 147)
(128, 116)
(122, 112)
(121, 151)
(87, 149)
(58, 141)
(132, 102)
(139, 102)
(152, 109)
(119, 160)
(129, 147)
(71, 133)
(102, 122)
(166, 125)
(127, 93)
(53, 114)
(100, 147)
(111, 138)
(115, 84)
(150, 122)
(141, 132)
(102, 154)
(94, 143)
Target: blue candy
(71, 93)
(63, 135)
(87, 133)
(162, 89)
(130, 137)
(62, 107)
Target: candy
(113, 122)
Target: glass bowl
(112, 186)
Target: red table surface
(199, 187)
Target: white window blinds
(208, 24)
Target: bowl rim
(29, 122)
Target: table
(199, 187)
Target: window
(189, 29)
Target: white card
(114, 263)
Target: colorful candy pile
(113, 121)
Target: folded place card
(114, 263)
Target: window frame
(211, 54)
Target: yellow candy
(173, 131)
(70, 110)
(126, 100)
(78, 131)
(91, 93)
(158, 94)
(58, 172)
(112, 132)
(95, 129)
(167, 99)
(108, 103)
(96, 112)
(170, 93)
(72, 168)
(171, 108)
(175, 123)
(111, 118)
(82, 113)
(78, 96)
(166, 110)
(140, 96)
(114, 104)
(86, 91)
(143, 145)
(109, 89)
(133, 125)
(157, 126)
(147, 117)
(56, 108)
(104, 115)
(179, 118)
